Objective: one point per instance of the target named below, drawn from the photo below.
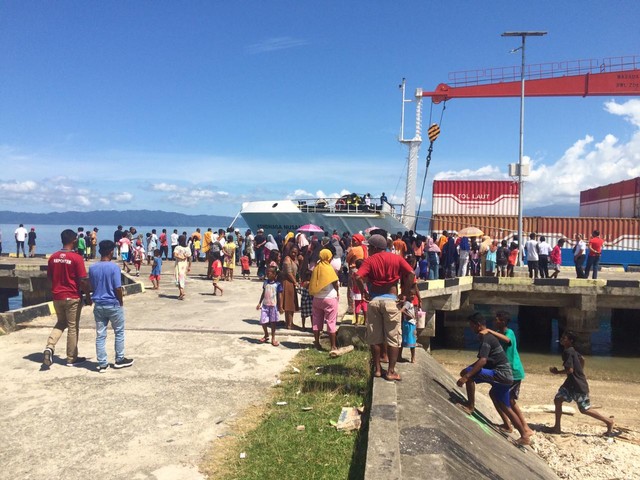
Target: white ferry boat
(349, 213)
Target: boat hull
(285, 216)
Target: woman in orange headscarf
(324, 288)
(357, 250)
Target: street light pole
(523, 35)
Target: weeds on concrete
(273, 441)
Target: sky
(199, 106)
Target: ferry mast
(409, 211)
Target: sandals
(264, 340)
(275, 343)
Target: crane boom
(618, 76)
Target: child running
(156, 269)
(125, 245)
(575, 387)
(271, 306)
(138, 256)
(216, 273)
(245, 262)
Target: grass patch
(276, 449)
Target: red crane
(611, 76)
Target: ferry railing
(349, 206)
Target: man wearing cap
(381, 271)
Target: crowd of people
(448, 255)
(304, 274)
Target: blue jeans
(433, 266)
(103, 315)
(592, 262)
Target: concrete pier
(198, 366)
(574, 302)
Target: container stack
(492, 206)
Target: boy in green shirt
(507, 339)
(82, 245)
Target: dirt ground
(581, 451)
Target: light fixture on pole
(519, 169)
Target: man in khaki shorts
(381, 271)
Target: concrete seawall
(416, 431)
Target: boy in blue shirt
(106, 283)
(156, 269)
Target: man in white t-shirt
(21, 235)
(579, 254)
(531, 249)
(174, 241)
(544, 250)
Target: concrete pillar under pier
(5, 294)
(451, 331)
(534, 325)
(583, 323)
(625, 330)
(40, 292)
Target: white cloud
(629, 109)
(58, 192)
(275, 43)
(164, 187)
(487, 172)
(18, 187)
(124, 197)
(82, 200)
(189, 197)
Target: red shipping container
(618, 200)
(475, 197)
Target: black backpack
(501, 255)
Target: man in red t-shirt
(68, 277)
(595, 250)
(381, 271)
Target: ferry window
(274, 205)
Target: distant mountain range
(561, 210)
(116, 217)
